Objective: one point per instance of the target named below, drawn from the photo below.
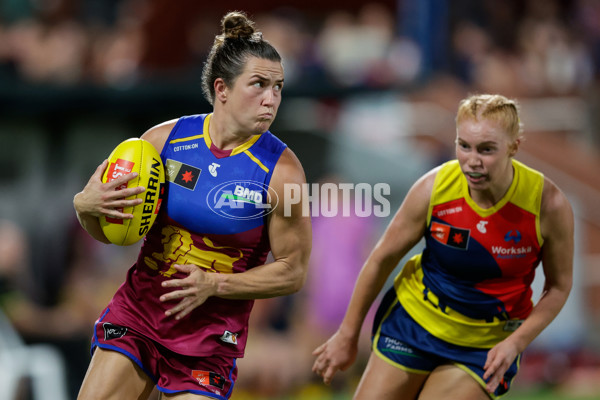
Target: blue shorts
(171, 372)
(401, 341)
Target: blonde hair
(493, 107)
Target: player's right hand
(337, 353)
(99, 198)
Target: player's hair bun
(236, 25)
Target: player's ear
(514, 147)
(220, 90)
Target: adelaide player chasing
(180, 320)
(460, 314)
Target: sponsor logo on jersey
(449, 211)
(212, 168)
(391, 345)
(209, 378)
(253, 198)
(112, 331)
(182, 174)
(185, 147)
(229, 337)
(515, 236)
(450, 236)
(511, 252)
(481, 226)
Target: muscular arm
(405, 231)
(291, 241)
(98, 199)
(556, 223)
(290, 238)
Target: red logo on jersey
(208, 378)
(449, 235)
(160, 198)
(440, 232)
(115, 170)
(187, 176)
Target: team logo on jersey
(209, 378)
(112, 331)
(182, 174)
(242, 200)
(212, 168)
(515, 236)
(229, 337)
(450, 236)
(481, 226)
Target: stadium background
(371, 91)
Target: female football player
(460, 313)
(180, 320)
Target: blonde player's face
(484, 151)
(254, 98)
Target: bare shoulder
(413, 210)
(158, 134)
(556, 210)
(424, 185)
(553, 199)
(429, 177)
(288, 169)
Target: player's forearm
(541, 316)
(279, 278)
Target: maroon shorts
(172, 372)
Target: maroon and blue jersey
(213, 214)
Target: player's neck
(223, 135)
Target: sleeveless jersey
(471, 285)
(213, 215)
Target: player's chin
(263, 125)
(477, 186)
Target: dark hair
(230, 52)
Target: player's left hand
(499, 359)
(193, 290)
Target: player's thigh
(450, 382)
(113, 376)
(384, 381)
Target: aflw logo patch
(450, 236)
(113, 331)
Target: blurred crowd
(431, 48)
(522, 48)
